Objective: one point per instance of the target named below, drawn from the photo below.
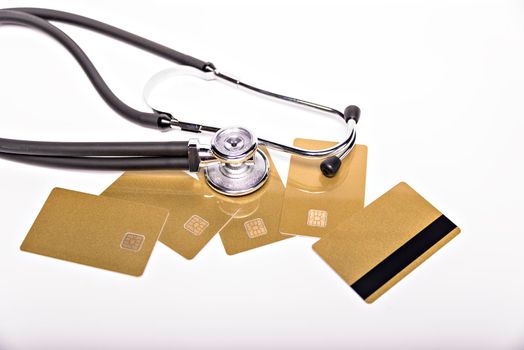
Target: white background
(441, 87)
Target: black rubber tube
(126, 163)
(99, 155)
(152, 120)
(82, 149)
(116, 33)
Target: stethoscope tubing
(128, 154)
(117, 155)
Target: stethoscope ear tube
(102, 155)
(99, 163)
(332, 155)
(116, 33)
(94, 149)
(37, 19)
(331, 165)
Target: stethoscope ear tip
(330, 166)
(352, 112)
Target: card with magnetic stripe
(376, 247)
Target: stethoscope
(233, 163)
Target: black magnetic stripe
(403, 256)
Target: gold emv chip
(255, 228)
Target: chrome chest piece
(242, 168)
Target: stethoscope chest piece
(242, 168)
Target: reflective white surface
(440, 85)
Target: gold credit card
(103, 232)
(313, 203)
(254, 217)
(375, 248)
(195, 216)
